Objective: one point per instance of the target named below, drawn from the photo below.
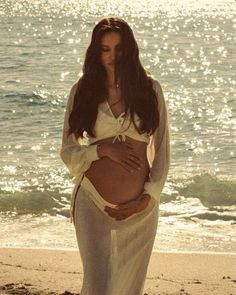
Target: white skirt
(114, 253)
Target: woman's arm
(160, 149)
(160, 161)
(77, 157)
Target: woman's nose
(112, 55)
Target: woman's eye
(105, 49)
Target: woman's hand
(122, 153)
(127, 209)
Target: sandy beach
(46, 271)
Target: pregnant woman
(116, 146)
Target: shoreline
(56, 271)
(153, 251)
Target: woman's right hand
(122, 153)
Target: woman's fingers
(129, 208)
(127, 157)
(133, 164)
(130, 205)
(117, 211)
(127, 167)
(123, 211)
(136, 160)
(119, 214)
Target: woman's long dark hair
(136, 86)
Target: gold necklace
(112, 85)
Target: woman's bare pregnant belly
(113, 182)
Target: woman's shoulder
(73, 89)
(155, 84)
(71, 96)
(158, 89)
(74, 86)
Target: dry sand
(45, 271)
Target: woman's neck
(111, 80)
(112, 85)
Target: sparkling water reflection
(187, 46)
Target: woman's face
(110, 50)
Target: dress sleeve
(76, 156)
(159, 150)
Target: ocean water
(189, 46)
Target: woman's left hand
(127, 209)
